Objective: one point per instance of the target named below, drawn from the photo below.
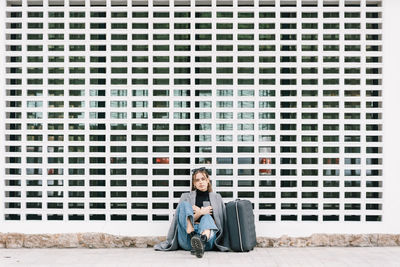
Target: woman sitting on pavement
(199, 222)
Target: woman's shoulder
(217, 195)
(185, 195)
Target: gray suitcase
(242, 230)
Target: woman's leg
(189, 226)
(185, 224)
(210, 242)
(208, 228)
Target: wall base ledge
(103, 240)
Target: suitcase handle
(237, 199)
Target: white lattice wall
(107, 106)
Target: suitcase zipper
(237, 218)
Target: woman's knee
(207, 217)
(207, 222)
(184, 209)
(184, 204)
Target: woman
(199, 222)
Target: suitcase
(241, 227)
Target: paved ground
(298, 257)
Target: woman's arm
(198, 212)
(197, 215)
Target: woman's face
(201, 181)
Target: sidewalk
(137, 257)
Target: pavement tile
(260, 257)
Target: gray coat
(219, 212)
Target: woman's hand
(206, 210)
(196, 210)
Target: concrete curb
(103, 240)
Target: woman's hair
(203, 171)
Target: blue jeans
(185, 210)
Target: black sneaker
(203, 238)
(193, 233)
(197, 246)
